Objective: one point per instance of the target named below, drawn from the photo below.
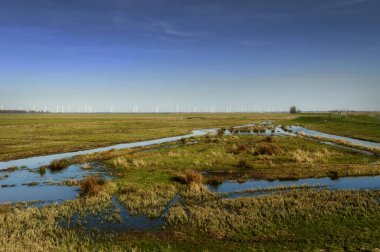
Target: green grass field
(360, 126)
(25, 135)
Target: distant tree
(293, 109)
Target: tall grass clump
(90, 186)
(59, 164)
(121, 162)
(190, 177)
(266, 149)
(304, 156)
(237, 148)
(42, 170)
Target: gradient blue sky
(267, 55)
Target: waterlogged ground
(24, 184)
(259, 188)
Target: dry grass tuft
(90, 186)
(138, 163)
(237, 148)
(121, 162)
(71, 182)
(266, 149)
(59, 164)
(190, 177)
(42, 170)
(303, 156)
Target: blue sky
(254, 55)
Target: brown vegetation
(266, 149)
(90, 186)
(59, 164)
(190, 177)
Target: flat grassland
(25, 135)
(360, 126)
(146, 179)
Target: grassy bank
(366, 127)
(25, 135)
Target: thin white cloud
(168, 29)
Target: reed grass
(190, 177)
(59, 164)
(90, 186)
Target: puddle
(29, 185)
(47, 194)
(357, 183)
